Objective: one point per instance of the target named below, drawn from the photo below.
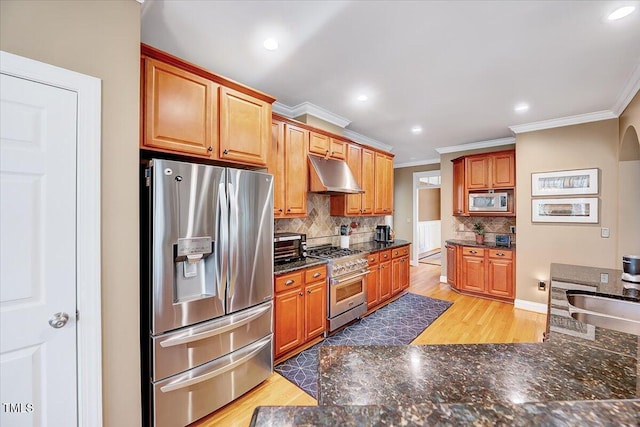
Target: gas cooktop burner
(331, 252)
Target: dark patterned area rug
(397, 323)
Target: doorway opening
(426, 217)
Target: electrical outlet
(460, 227)
(604, 232)
(512, 229)
(542, 285)
(604, 277)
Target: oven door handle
(349, 278)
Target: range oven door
(347, 293)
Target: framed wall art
(565, 183)
(576, 210)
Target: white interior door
(38, 254)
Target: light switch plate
(604, 232)
(604, 277)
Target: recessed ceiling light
(362, 98)
(621, 13)
(521, 108)
(416, 130)
(270, 44)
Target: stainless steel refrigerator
(207, 287)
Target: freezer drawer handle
(183, 384)
(179, 340)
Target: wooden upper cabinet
(503, 169)
(354, 160)
(276, 166)
(459, 194)
(361, 161)
(368, 181)
(477, 172)
(179, 110)
(244, 128)
(295, 170)
(383, 199)
(319, 144)
(338, 149)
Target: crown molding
(628, 92)
(564, 121)
(417, 163)
(476, 145)
(357, 137)
(312, 109)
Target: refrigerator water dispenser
(193, 264)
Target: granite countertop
(590, 277)
(472, 243)
(288, 267)
(379, 246)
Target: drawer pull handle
(500, 254)
(316, 274)
(473, 252)
(289, 282)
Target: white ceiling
(455, 68)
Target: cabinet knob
(288, 210)
(210, 148)
(301, 294)
(308, 291)
(225, 152)
(289, 282)
(280, 210)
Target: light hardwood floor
(468, 321)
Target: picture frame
(582, 210)
(565, 183)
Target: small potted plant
(478, 228)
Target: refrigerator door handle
(251, 350)
(223, 230)
(185, 339)
(233, 239)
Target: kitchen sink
(611, 313)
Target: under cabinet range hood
(331, 176)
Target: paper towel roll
(388, 220)
(344, 242)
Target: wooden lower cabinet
(373, 280)
(384, 281)
(451, 265)
(389, 274)
(483, 271)
(300, 312)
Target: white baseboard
(443, 279)
(538, 307)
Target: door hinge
(147, 177)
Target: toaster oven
(289, 247)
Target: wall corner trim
(537, 307)
(564, 121)
(476, 145)
(357, 137)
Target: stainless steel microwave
(488, 202)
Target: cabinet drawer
(469, 251)
(399, 252)
(373, 258)
(384, 255)
(315, 274)
(289, 281)
(500, 254)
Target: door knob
(58, 320)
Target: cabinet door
(338, 149)
(179, 110)
(244, 128)
(368, 181)
(289, 320)
(319, 144)
(295, 167)
(396, 275)
(383, 199)
(373, 291)
(477, 172)
(276, 167)
(405, 273)
(451, 265)
(473, 273)
(503, 170)
(459, 194)
(315, 309)
(354, 160)
(500, 277)
(384, 279)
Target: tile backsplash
(321, 228)
(492, 226)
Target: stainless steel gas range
(347, 273)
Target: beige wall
(590, 145)
(403, 199)
(446, 189)
(101, 39)
(429, 204)
(629, 179)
